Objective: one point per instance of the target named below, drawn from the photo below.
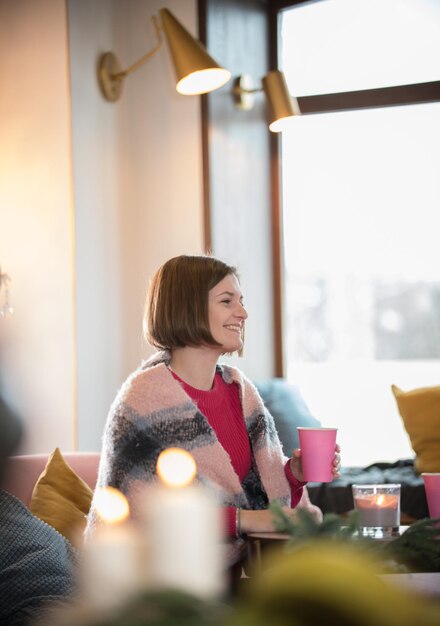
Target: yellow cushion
(61, 498)
(420, 411)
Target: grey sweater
(36, 564)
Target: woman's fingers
(337, 462)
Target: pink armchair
(23, 471)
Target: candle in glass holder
(378, 507)
(184, 524)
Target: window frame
(349, 100)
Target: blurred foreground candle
(379, 509)
(112, 563)
(184, 522)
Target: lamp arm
(158, 30)
(243, 92)
(239, 90)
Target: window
(345, 45)
(360, 214)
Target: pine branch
(305, 525)
(418, 546)
(417, 549)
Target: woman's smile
(234, 327)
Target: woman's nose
(241, 312)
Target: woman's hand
(296, 465)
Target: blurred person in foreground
(36, 563)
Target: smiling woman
(181, 397)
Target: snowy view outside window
(361, 213)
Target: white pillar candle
(112, 564)
(184, 522)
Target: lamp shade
(282, 106)
(196, 71)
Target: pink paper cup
(317, 453)
(432, 488)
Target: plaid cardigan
(152, 412)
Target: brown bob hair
(176, 312)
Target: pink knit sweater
(152, 412)
(222, 407)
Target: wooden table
(426, 583)
(256, 540)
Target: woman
(182, 397)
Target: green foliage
(417, 549)
(297, 588)
(166, 607)
(305, 526)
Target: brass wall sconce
(282, 107)
(196, 71)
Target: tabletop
(427, 583)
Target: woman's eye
(226, 301)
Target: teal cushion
(289, 410)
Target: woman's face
(227, 314)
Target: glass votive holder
(378, 507)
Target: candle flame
(111, 505)
(176, 467)
(381, 500)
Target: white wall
(94, 196)
(85, 221)
(37, 347)
(138, 190)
